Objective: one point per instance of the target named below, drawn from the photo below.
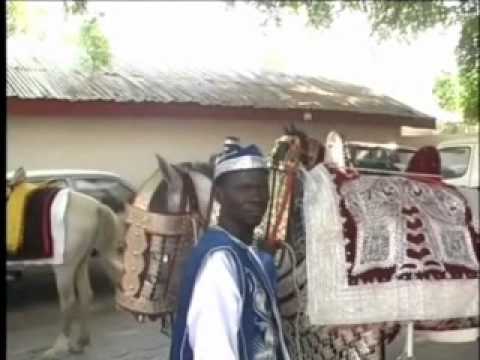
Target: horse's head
(312, 151)
(169, 191)
(17, 178)
(164, 222)
(185, 188)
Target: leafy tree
(16, 18)
(77, 7)
(96, 49)
(447, 91)
(459, 93)
(404, 20)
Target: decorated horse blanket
(16, 209)
(388, 249)
(35, 225)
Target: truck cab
(460, 166)
(460, 158)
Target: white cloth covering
(213, 319)
(332, 301)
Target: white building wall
(127, 145)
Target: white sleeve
(213, 318)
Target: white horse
(88, 225)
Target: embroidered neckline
(234, 238)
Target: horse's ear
(293, 128)
(290, 129)
(165, 168)
(335, 149)
(18, 176)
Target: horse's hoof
(76, 350)
(84, 340)
(50, 354)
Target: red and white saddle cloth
(388, 249)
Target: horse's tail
(109, 240)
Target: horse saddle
(28, 221)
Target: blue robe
(260, 335)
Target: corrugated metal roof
(32, 77)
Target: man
(227, 308)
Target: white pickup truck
(460, 166)
(460, 158)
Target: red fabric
(37, 231)
(272, 240)
(426, 160)
(47, 225)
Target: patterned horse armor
(156, 246)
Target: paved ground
(32, 325)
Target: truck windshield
(454, 161)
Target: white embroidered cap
(237, 158)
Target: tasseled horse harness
(284, 166)
(156, 246)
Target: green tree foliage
(95, 46)
(77, 7)
(459, 93)
(97, 49)
(468, 59)
(404, 20)
(447, 91)
(469, 96)
(97, 53)
(17, 18)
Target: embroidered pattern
(264, 346)
(398, 227)
(387, 249)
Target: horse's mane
(313, 151)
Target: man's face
(243, 196)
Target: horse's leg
(85, 296)
(109, 238)
(65, 277)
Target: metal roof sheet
(33, 77)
